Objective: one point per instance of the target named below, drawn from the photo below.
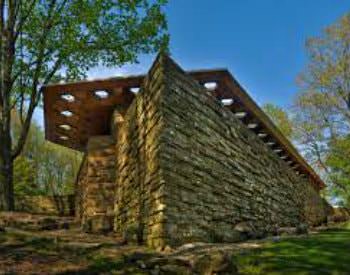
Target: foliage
(318, 122)
(46, 41)
(44, 167)
(61, 40)
(314, 126)
(58, 168)
(24, 176)
(328, 70)
(280, 118)
(339, 162)
(321, 111)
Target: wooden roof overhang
(89, 114)
(73, 112)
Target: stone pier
(96, 186)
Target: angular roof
(75, 111)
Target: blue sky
(260, 41)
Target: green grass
(325, 253)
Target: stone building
(175, 157)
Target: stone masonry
(218, 173)
(140, 187)
(186, 169)
(95, 190)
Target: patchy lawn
(73, 252)
(32, 253)
(327, 252)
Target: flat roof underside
(76, 111)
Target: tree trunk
(6, 175)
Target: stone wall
(188, 170)
(339, 214)
(140, 188)
(49, 205)
(96, 186)
(80, 184)
(315, 208)
(218, 174)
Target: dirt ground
(69, 251)
(73, 252)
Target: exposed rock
(167, 260)
(82, 245)
(246, 230)
(141, 264)
(287, 230)
(155, 271)
(302, 228)
(276, 239)
(138, 258)
(243, 227)
(172, 269)
(48, 224)
(35, 222)
(190, 246)
(214, 263)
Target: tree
(280, 117)
(43, 167)
(24, 177)
(57, 169)
(45, 41)
(321, 111)
(328, 70)
(314, 126)
(339, 162)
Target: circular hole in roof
(262, 135)
(64, 137)
(134, 90)
(284, 157)
(68, 97)
(227, 101)
(240, 114)
(252, 125)
(66, 113)
(101, 94)
(65, 127)
(211, 86)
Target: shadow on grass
(324, 253)
(30, 254)
(21, 250)
(99, 265)
(104, 265)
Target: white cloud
(142, 67)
